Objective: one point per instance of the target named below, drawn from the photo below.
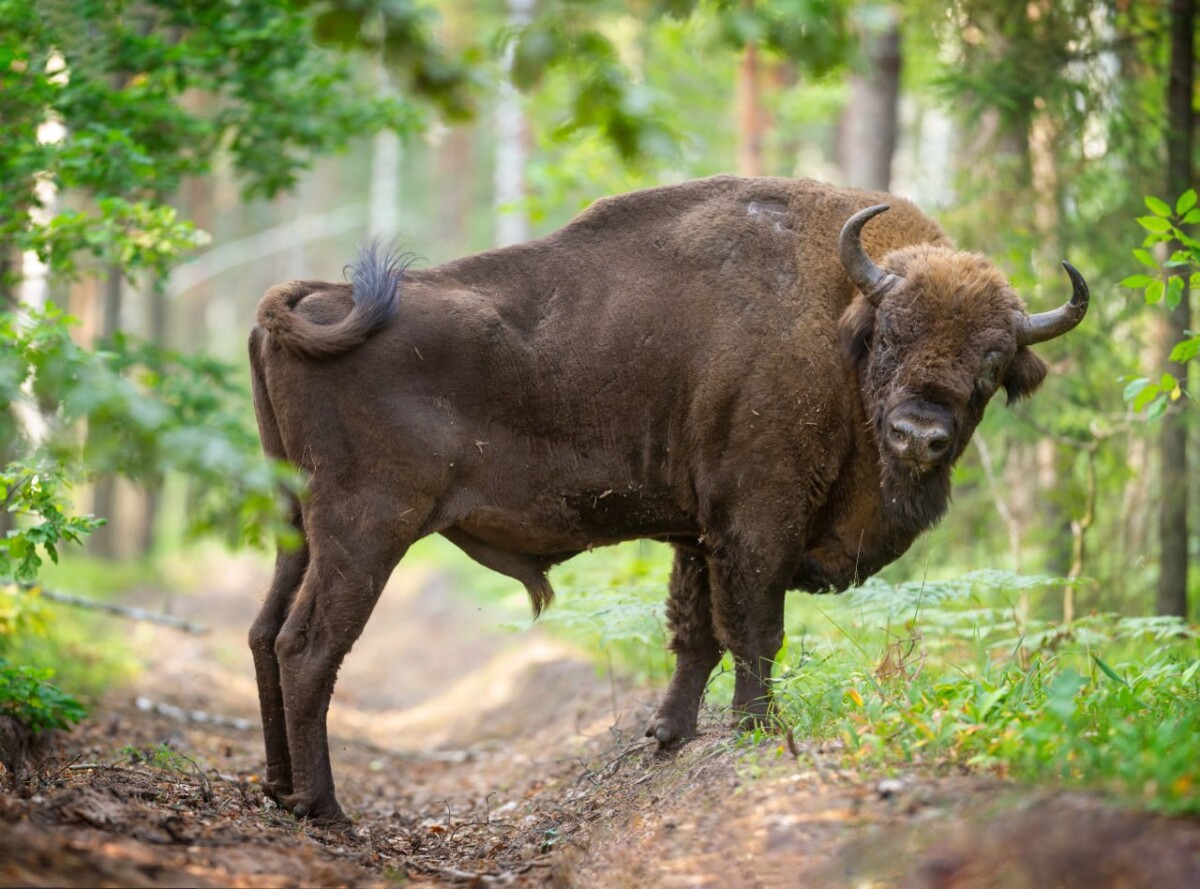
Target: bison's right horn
(1048, 325)
(870, 279)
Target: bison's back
(667, 346)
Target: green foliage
(401, 32)
(27, 695)
(1164, 282)
(118, 103)
(950, 673)
(612, 603)
(585, 61)
(162, 757)
(22, 613)
(35, 489)
(148, 412)
(945, 672)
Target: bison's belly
(558, 523)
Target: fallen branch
(198, 716)
(127, 611)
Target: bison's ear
(855, 328)
(1024, 375)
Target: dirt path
(471, 755)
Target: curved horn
(1047, 325)
(867, 277)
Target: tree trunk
(508, 179)
(867, 135)
(1173, 513)
(102, 543)
(383, 209)
(751, 120)
(155, 296)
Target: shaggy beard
(914, 500)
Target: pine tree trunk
(1173, 514)
(749, 115)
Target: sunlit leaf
(1186, 201)
(1137, 281)
(1158, 206)
(1186, 350)
(1174, 292)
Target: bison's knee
(262, 636)
(290, 643)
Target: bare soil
(471, 755)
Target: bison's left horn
(1047, 325)
(870, 279)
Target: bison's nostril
(937, 442)
(899, 434)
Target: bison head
(933, 335)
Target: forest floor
(473, 756)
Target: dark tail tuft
(375, 280)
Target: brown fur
(666, 366)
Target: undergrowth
(942, 673)
(951, 672)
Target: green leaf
(1157, 206)
(1155, 224)
(1143, 256)
(1137, 281)
(1146, 395)
(1157, 408)
(1186, 350)
(1174, 292)
(1135, 388)
(1186, 201)
(1109, 671)
(1154, 291)
(1193, 216)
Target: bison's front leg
(748, 617)
(697, 651)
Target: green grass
(949, 673)
(946, 673)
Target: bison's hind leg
(355, 545)
(290, 566)
(697, 651)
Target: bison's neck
(869, 519)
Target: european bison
(707, 364)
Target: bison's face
(934, 335)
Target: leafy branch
(1167, 282)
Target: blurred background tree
(165, 162)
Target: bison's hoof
(314, 811)
(277, 791)
(667, 730)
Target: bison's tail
(375, 280)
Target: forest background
(165, 163)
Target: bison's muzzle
(919, 437)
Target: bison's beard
(916, 501)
